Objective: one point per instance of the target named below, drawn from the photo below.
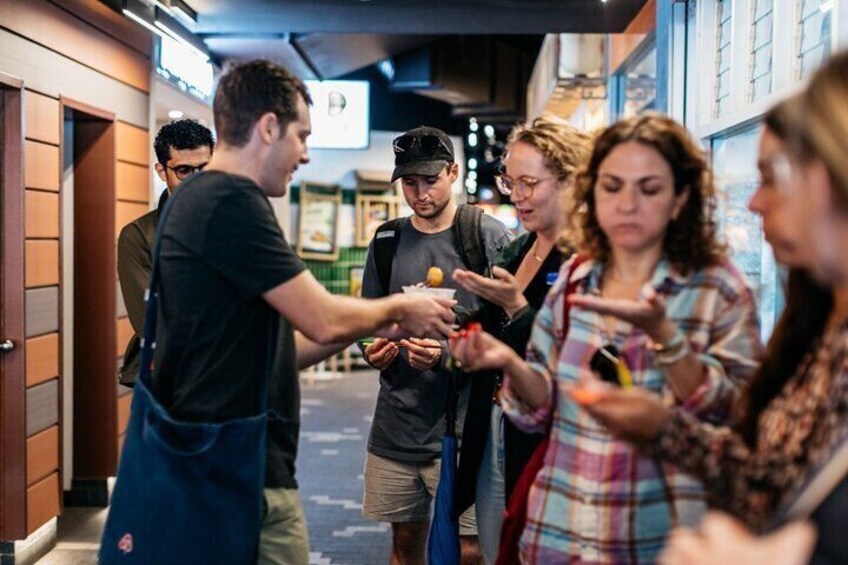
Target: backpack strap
(385, 244)
(469, 238)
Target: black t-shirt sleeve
(243, 242)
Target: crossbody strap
(148, 336)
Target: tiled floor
(336, 415)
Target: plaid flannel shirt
(597, 499)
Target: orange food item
(435, 277)
(586, 396)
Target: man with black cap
(403, 461)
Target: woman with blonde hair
(656, 305)
(538, 170)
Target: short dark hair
(180, 135)
(249, 90)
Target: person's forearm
(528, 385)
(685, 376)
(309, 353)
(686, 373)
(328, 318)
(350, 318)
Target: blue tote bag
(186, 492)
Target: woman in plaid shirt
(658, 288)
(794, 422)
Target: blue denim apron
(186, 492)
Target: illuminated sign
(339, 112)
(188, 68)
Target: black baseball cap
(422, 151)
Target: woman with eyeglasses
(538, 170)
(796, 415)
(656, 306)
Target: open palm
(476, 351)
(648, 313)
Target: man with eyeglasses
(403, 460)
(182, 148)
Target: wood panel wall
(42, 180)
(84, 41)
(132, 190)
(50, 25)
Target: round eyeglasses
(522, 186)
(184, 171)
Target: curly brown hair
(690, 241)
(564, 148)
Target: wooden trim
(124, 403)
(42, 502)
(42, 118)
(42, 215)
(121, 439)
(42, 407)
(42, 310)
(42, 262)
(42, 359)
(95, 334)
(11, 82)
(133, 182)
(125, 333)
(41, 166)
(110, 22)
(42, 454)
(91, 111)
(45, 24)
(12, 374)
(645, 21)
(132, 144)
(126, 212)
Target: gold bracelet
(672, 346)
(672, 357)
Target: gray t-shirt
(409, 419)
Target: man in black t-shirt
(226, 270)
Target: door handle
(6, 346)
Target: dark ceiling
(327, 39)
(330, 38)
(258, 17)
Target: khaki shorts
(396, 491)
(284, 539)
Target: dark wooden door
(12, 332)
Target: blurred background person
(182, 148)
(721, 539)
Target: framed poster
(318, 220)
(356, 274)
(371, 212)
